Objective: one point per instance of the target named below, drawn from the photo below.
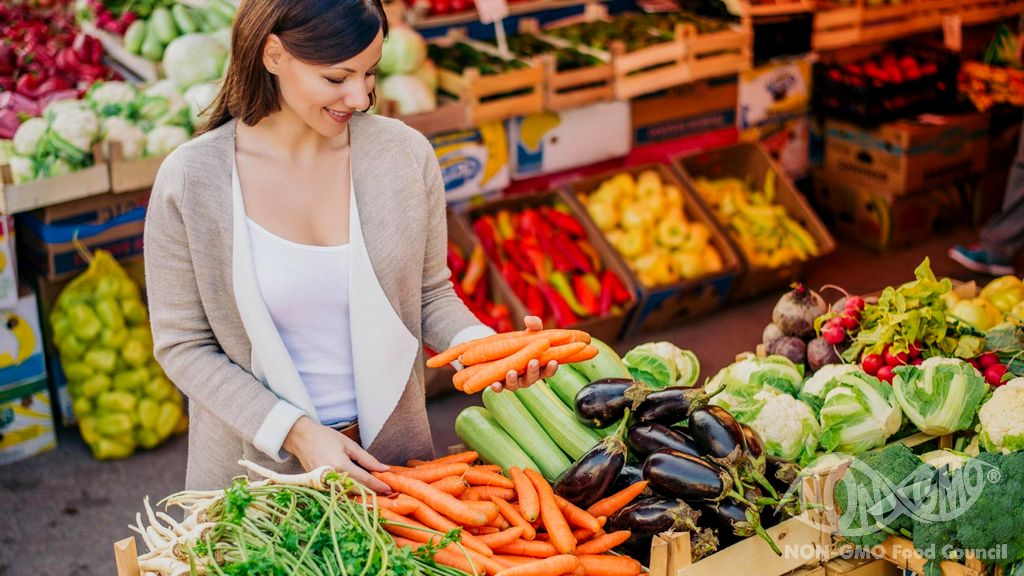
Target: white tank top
(305, 289)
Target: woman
(295, 257)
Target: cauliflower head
(163, 139)
(788, 426)
(1002, 418)
(131, 137)
(29, 137)
(78, 127)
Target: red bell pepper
(484, 228)
(585, 295)
(512, 275)
(619, 293)
(560, 311)
(565, 223)
(474, 270)
(535, 301)
(456, 261)
(516, 252)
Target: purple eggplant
(755, 465)
(654, 516)
(603, 402)
(734, 518)
(627, 477)
(680, 475)
(719, 436)
(670, 405)
(651, 437)
(590, 477)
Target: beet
(771, 332)
(790, 347)
(796, 311)
(821, 353)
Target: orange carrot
(510, 560)
(483, 530)
(481, 478)
(490, 509)
(467, 457)
(554, 522)
(402, 504)
(534, 549)
(492, 372)
(554, 566)
(608, 565)
(491, 351)
(435, 521)
(500, 523)
(559, 353)
(582, 534)
(515, 518)
(464, 375)
(418, 534)
(485, 493)
(488, 468)
(604, 543)
(435, 472)
(502, 538)
(529, 505)
(617, 501)
(582, 356)
(576, 515)
(561, 336)
(436, 499)
(456, 557)
(453, 485)
(448, 356)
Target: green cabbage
(857, 412)
(403, 51)
(194, 58)
(747, 377)
(663, 364)
(940, 396)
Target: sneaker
(976, 259)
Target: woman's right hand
(316, 445)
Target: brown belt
(350, 430)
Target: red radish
(854, 304)
(849, 320)
(885, 374)
(994, 374)
(870, 363)
(974, 362)
(917, 361)
(833, 332)
(915, 350)
(896, 359)
(987, 359)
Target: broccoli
(997, 517)
(895, 463)
(932, 538)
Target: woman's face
(325, 96)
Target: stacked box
(773, 109)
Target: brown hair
(314, 31)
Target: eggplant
(603, 402)
(719, 436)
(737, 518)
(781, 472)
(627, 477)
(655, 515)
(680, 475)
(670, 405)
(756, 463)
(590, 477)
(651, 437)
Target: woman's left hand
(534, 371)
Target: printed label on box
(775, 90)
(788, 143)
(26, 425)
(21, 345)
(8, 264)
(547, 142)
(473, 162)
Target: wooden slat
(126, 557)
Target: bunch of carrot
(488, 360)
(512, 526)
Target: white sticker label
(492, 10)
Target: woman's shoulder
(203, 162)
(392, 133)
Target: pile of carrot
(512, 526)
(488, 360)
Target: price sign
(492, 10)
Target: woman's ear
(273, 53)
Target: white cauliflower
(163, 139)
(78, 127)
(1002, 418)
(29, 137)
(131, 137)
(58, 107)
(788, 426)
(22, 169)
(112, 98)
(199, 98)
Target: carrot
(483, 530)
(485, 493)
(482, 478)
(502, 538)
(529, 505)
(515, 518)
(582, 534)
(435, 521)
(582, 356)
(554, 522)
(418, 534)
(403, 504)
(534, 549)
(554, 566)
(559, 353)
(561, 336)
(492, 372)
(448, 356)
(464, 375)
(436, 499)
(608, 565)
(488, 468)
(491, 351)
(453, 485)
(500, 522)
(467, 457)
(456, 557)
(576, 515)
(490, 509)
(435, 472)
(511, 560)
(617, 501)
(604, 543)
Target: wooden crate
(568, 89)
(449, 116)
(863, 567)
(113, 45)
(493, 97)
(843, 26)
(751, 10)
(131, 175)
(15, 198)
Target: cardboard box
(751, 162)
(881, 220)
(21, 345)
(663, 306)
(787, 141)
(684, 111)
(26, 422)
(8, 264)
(773, 92)
(906, 156)
(474, 161)
(112, 222)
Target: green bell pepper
(102, 360)
(96, 385)
(117, 401)
(84, 323)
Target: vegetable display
(121, 397)
(472, 284)
(663, 364)
(57, 143)
(645, 219)
(408, 80)
(460, 55)
(528, 45)
(940, 396)
(1001, 426)
(151, 35)
(635, 30)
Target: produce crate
(860, 567)
(492, 97)
(838, 26)
(663, 306)
(984, 11)
(690, 55)
(987, 85)
(449, 116)
(764, 9)
(113, 45)
(607, 328)
(843, 90)
(131, 175)
(750, 161)
(91, 181)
